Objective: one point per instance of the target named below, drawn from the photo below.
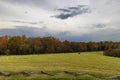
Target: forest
(22, 45)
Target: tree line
(22, 45)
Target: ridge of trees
(22, 45)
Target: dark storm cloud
(64, 10)
(28, 31)
(73, 7)
(65, 16)
(72, 11)
(33, 32)
(77, 7)
(104, 35)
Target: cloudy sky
(74, 20)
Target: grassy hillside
(87, 62)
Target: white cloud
(104, 12)
(6, 25)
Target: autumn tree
(22, 45)
(14, 44)
(3, 44)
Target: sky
(73, 20)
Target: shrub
(112, 52)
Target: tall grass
(91, 62)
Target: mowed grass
(91, 62)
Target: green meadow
(95, 65)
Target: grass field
(94, 63)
